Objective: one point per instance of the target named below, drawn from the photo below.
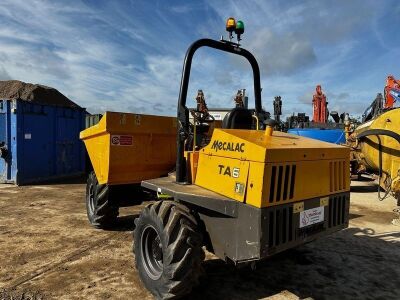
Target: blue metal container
(335, 136)
(39, 142)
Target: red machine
(320, 106)
(391, 91)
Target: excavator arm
(391, 91)
(320, 106)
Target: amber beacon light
(230, 26)
(234, 26)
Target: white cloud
(71, 47)
(4, 74)
(182, 9)
(128, 56)
(281, 54)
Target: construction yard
(49, 251)
(199, 150)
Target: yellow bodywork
(127, 148)
(366, 152)
(261, 170)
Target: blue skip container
(335, 136)
(40, 142)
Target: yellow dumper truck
(243, 194)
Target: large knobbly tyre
(167, 247)
(101, 211)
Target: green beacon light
(239, 30)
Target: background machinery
(320, 106)
(391, 95)
(277, 104)
(375, 144)
(320, 127)
(391, 91)
(244, 195)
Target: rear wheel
(101, 211)
(167, 247)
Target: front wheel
(167, 247)
(101, 211)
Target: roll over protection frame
(183, 112)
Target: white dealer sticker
(217, 117)
(121, 140)
(311, 216)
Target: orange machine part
(319, 106)
(391, 82)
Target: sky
(128, 55)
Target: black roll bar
(183, 112)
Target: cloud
(182, 9)
(4, 74)
(72, 48)
(288, 36)
(329, 21)
(306, 98)
(282, 54)
(340, 96)
(109, 55)
(157, 87)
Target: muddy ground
(48, 249)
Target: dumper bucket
(127, 148)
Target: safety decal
(239, 188)
(121, 140)
(311, 216)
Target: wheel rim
(152, 252)
(91, 199)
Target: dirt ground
(48, 250)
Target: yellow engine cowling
(260, 170)
(366, 151)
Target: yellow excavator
(243, 194)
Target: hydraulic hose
(378, 133)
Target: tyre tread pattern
(105, 212)
(183, 253)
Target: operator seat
(238, 118)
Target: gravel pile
(35, 93)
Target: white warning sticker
(28, 136)
(121, 140)
(311, 216)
